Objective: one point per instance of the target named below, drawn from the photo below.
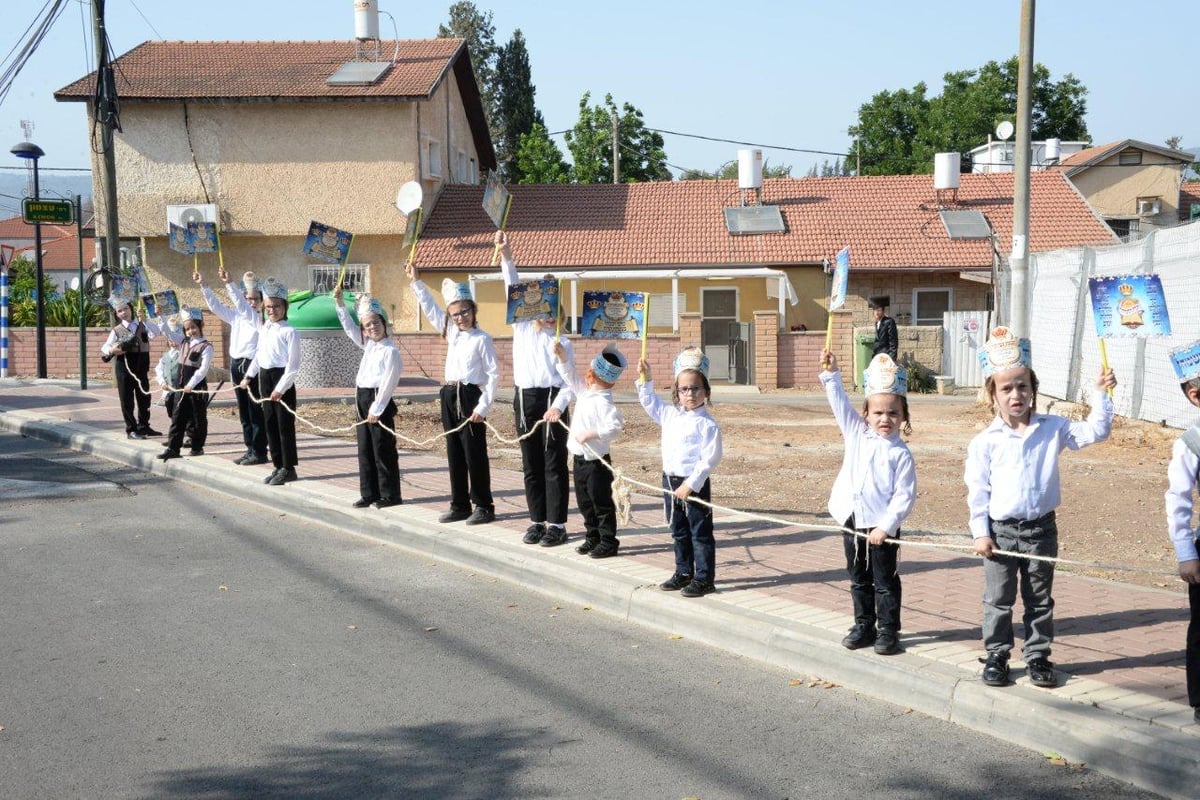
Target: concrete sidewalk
(782, 593)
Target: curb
(938, 680)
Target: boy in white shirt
(1012, 491)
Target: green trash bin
(864, 351)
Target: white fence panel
(963, 332)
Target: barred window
(323, 277)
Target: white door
(718, 308)
(963, 333)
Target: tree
(516, 112)
(826, 170)
(729, 170)
(469, 23)
(899, 132)
(642, 157)
(539, 160)
(61, 310)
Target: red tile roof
(290, 71)
(60, 248)
(1077, 162)
(17, 228)
(1189, 193)
(889, 222)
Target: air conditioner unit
(1148, 208)
(181, 215)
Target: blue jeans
(692, 530)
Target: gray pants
(1036, 579)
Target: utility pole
(1019, 258)
(105, 111)
(616, 158)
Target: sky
(784, 74)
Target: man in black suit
(887, 340)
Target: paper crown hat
(691, 358)
(250, 282)
(273, 288)
(879, 301)
(367, 305)
(452, 292)
(1186, 361)
(1004, 351)
(604, 369)
(885, 376)
(122, 295)
(187, 312)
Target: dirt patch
(781, 461)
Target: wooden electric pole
(104, 109)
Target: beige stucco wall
(1113, 190)
(901, 288)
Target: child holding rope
(1012, 491)
(378, 373)
(872, 495)
(275, 366)
(190, 412)
(1183, 474)
(471, 376)
(128, 347)
(691, 450)
(596, 423)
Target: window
(1128, 229)
(462, 168)
(323, 277)
(662, 310)
(1130, 158)
(433, 162)
(930, 304)
(1149, 206)
(472, 173)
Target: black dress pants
(543, 456)
(466, 450)
(378, 460)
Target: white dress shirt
(278, 347)
(534, 361)
(878, 479)
(1182, 476)
(131, 327)
(380, 366)
(1013, 474)
(244, 323)
(691, 440)
(594, 411)
(470, 354)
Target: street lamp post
(31, 150)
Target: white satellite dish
(75, 284)
(1004, 130)
(409, 198)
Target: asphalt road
(158, 641)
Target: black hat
(879, 301)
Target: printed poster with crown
(1129, 306)
(161, 304)
(532, 301)
(327, 243)
(202, 236)
(613, 314)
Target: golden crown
(1125, 289)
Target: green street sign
(60, 212)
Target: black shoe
(389, 502)
(995, 669)
(167, 455)
(186, 442)
(134, 435)
(604, 550)
(283, 475)
(586, 547)
(554, 536)
(1041, 673)
(240, 460)
(362, 502)
(481, 516)
(534, 533)
(289, 475)
(861, 635)
(675, 582)
(886, 644)
(698, 589)
(252, 460)
(454, 515)
(196, 451)
(271, 477)
(148, 431)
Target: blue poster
(614, 315)
(328, 244)
(1186, 361)
(841, 277)
(161, 304)
(178, 240)
(533, 300)
(1129, 306)
(495, 200)
(203, 236)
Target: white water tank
(946, 167)
(1053, 150)
(366, 20)
(750, 169)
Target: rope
(622, 492)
